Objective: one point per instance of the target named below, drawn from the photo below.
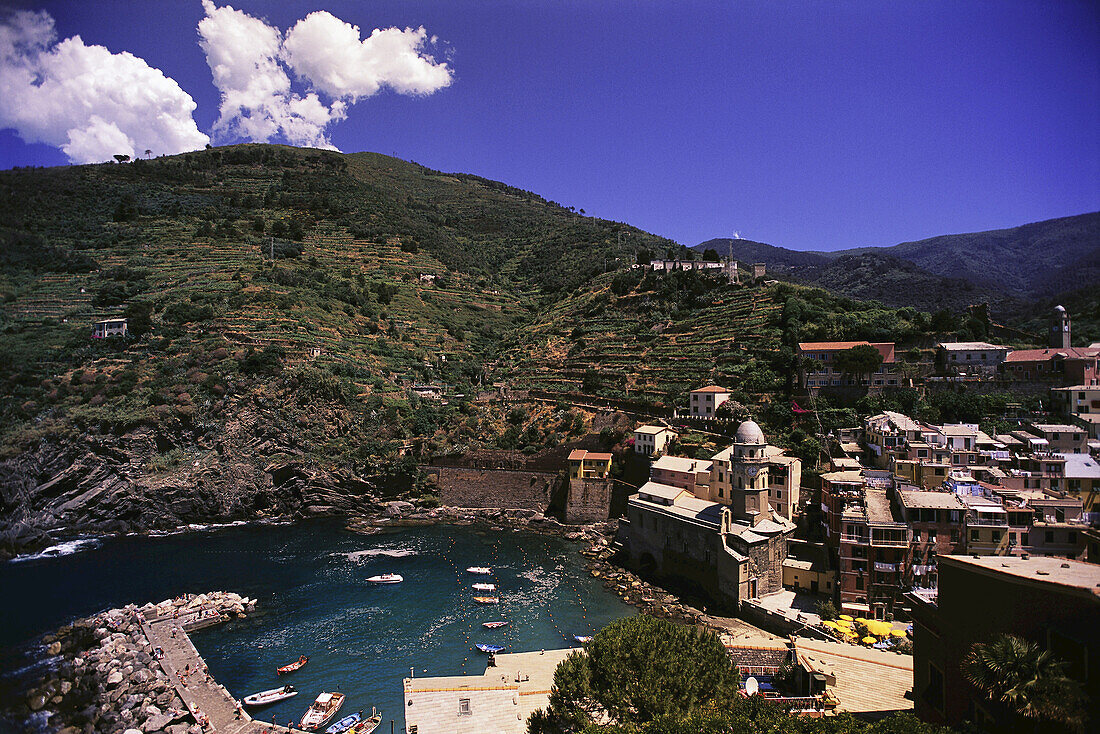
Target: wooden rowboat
(487, 599)
(291, 667)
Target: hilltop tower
(1060, 329)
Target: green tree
(1028, 681)
(638, 669)
(860, 360)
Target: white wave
(61, 549)
(398, 552)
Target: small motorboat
(487, 599)
(291, 667)
(495, 625)
(345, 723)
(489, 648)
(582, 638)
(263, 698)
(322, 711)
(369, 724)
(485, 587)
(387, 578)
(479, 569)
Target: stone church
(725, 538)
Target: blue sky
(811, 125)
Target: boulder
(114, 678)
(36, 702)
(54, 649)
(157, 722)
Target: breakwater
(123, 669)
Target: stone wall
(589, 500)
(497, 488)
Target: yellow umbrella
(897, 633)
(846, 617)
(879, 629)
(869, 640)
(844, 623)
(829, 623)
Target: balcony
(856, 539)
(987, 522)
(888, 567)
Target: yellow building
(588, 464)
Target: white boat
(582, 638)
(485, 587)
(263, 698)
(386, 578)
(322, 711)
(479, 569)
(487, 599)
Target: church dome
(1060, 309)
(749, 432)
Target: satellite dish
(751, 686)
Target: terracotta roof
(886, 349)
(1042, 355)
(711, 388)
(581, 454)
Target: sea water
(310, 580)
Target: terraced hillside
(654, 342)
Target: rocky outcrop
(105, 676)
(113, 484)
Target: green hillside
(296, 314)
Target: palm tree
(1027, 680)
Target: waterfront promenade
(186, 670)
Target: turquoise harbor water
(310, 579)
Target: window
(974, 536)
(1023, 538)
(996, 536)
(859, 583)
(463, 707)
(933, 694)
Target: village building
(704, 402)
(670, 265)
(499, 700)
(867, 538)
(1051, 601)
(818, 366)
(731, 549)
(1060, 367)
(1062, 438)
(651, 440)
(937, 522)
(970, 358)
(108, 328)
(1080, 404)
(677, 471)
(589, 492)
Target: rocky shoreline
(105, 675)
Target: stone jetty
(134, 670)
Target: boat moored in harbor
(483, 570)
(263, 698)
(483, 647)
(485, 587)
(291, 667)
(369, 724)
(345, 723)
(322, 711)
(495, 625)
(487, 599)
(387, 578)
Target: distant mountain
(1009, 268)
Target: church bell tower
(1059, 329)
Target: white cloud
(89, 102)
(251, 60)
(329, 54)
